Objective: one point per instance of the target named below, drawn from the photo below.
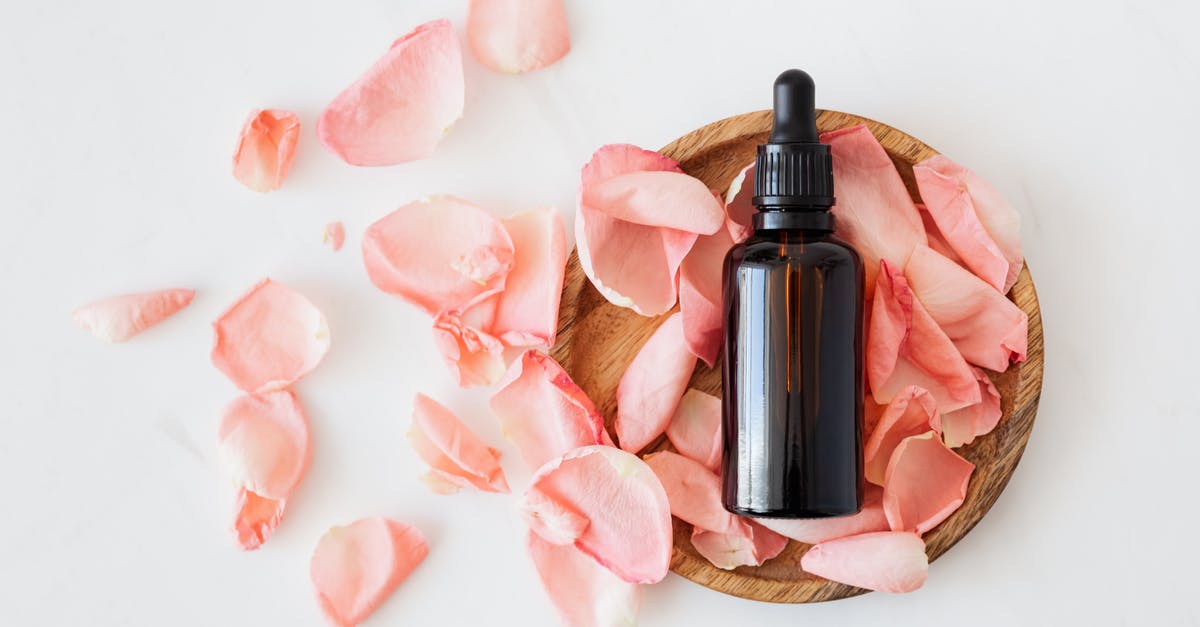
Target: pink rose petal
(925, 483)
(700, 284)
(403, 105)
(265, 149)
(527, 311)
(543, 412)
(962, 426)
(695, 429)
(441, 254)
(629, 530)
(912, 411)
(816, 530)
(119, 318)
(652, 385)
(454, 453)
(263, 441)
(728, 551)
(270, 338)
(738, 206)
(663, 198)
(584, 593)
(935, 238)
(988, 329)
(886, 561)
(516, 36)
(334, 235)
(475, 357)
(356, 567)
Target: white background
(117, 122)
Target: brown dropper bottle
(793, 304)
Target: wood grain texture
(597, 340)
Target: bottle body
(793, 389)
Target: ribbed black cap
(794, 170)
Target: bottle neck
(777, 218)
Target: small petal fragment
(474, 356)
(119, 318)
(270, 338)
(629, 530)
(584, 593)
(651, 387)
(962, 426)
(265, 149)
(527, 311)
(516, 36)
(255, 518)
(695, 429)
(700, 295)
(356, 567)
(911, 412)
(738, 206)
(925, 483)
(816, 530)
(543, 412)
(441, 254)
(403, 105)
(886, 561)
(334, 236)
(453, 452)
(728, 551)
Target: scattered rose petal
(516, 36)
(356, 567)
(629, 530)
(119, 318)
(527, 311)
(816, 530)
(543, 412)
(887, 561)
(584, 593)
(700, 284)
(270, 338)
(988, 329)
(975, 219)
(652, 385)
(695, 429)
(403, 105)
(663, 198)
(728, 551)
(474, 356)
(738, 206)
(694, 493)
(935, 238)
(912, 411)
(962, 426)
(334, 235)
(441, 254)
(925, 483)
(454, 453)
(265, 149)
(263, 441)
(556, 522)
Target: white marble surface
(117, 120)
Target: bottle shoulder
(777, 246)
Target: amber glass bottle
(793, 301)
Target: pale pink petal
(988, 329)
(912, 411)
(874, 211)
(629, 530)
(543, 412)
(728, 551)
(516, 36)
(738, 206)
(527, 311)
(265, 149)
(925, 483)
(356, 567)
(976, 220)
(657, 198)
(815, 530)
(255, 518)
(886, 561)
(334, 235)
(700, 283)
(270, 338)
(555, 521)
(695, 429)
(935, 238)
(402, 106)
(906, 347)
(441, 253)
(474, 356)
(119, 318)
(584, 593)
(962, 426)
(694, 493)
(452, 450)
(652, 385)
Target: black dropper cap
(793, 171)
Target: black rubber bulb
(795, 109)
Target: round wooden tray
(597, 340)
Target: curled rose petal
(263, 441)
(543, 412)
(584, 593)
(403, 105)
(935, 238)
(441, 254)
(695, 429)
(527, 311)
(334, 235)
(270, 338)
(474, 356)
(728, 551)
(912, 411)
(962, 426)
(700, 295)
(629, 520)
(694, 493)
(887, 561)
(265, 149)
(925, 483)
(650, 388)
(975, 219)
(816, 530)
(516, 36)
(454, 453)
(119, 318)
(356, 567)
(738, 206)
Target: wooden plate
(597, 340)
